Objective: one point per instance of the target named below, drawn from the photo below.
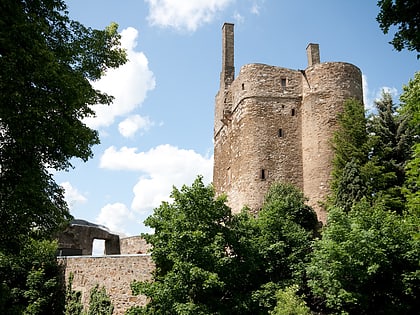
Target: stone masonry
(276, 124)
(114, 272)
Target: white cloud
(182, 14)
(163, 167)
(129, 84)
(72, 195)
(369, 97)
(129, 126)
(255, 9)
(385, 89)
(115, 217)
(239, 19)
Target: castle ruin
(276, 124)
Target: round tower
(326, 86)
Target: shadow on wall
(85, 238)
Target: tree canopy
(405, 15)
(47, 64)
(367, 262)
(210, 261)
(371, 154)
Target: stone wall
(114, 272)
(134, 245)
(260, 141)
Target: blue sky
(159, 130)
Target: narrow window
(293, 112)
(283, 82)
(281, 133)
(263, 174)
(243, 86)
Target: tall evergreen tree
(350, 144)
(390, 141)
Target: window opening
(98, 247)
(283, 82)
(243, 86)
(293, 112)
(281, 133)
(263, 174)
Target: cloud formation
(72, 195)
(162, 168)
(184, 15)
(115, 217)
(129, 126)
(129, 84)
(369, 97)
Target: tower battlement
(275, 124)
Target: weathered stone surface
(114, 272)
(77, 239)
(134, 245)
(275, 124)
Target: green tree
(286, 227)
(367, 262)
(99, 303)
(350, 144)
(31, 281)
(191, 253)
(209, 261)
(371, 155)
(47, 62)
(410, 107)
(406, 15)
(74, 304)
(290, 303)
(390, 141)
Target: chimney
(228, 69)
(312, 52)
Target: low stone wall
(114, 272)
(134, 245)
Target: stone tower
(275, 124)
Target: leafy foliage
(74, 304)
(290, 303)
(371, 155)
(367, 262)
(390, 140)
(209, 261)
(99, 303)
(46, 62)
(406, 15)
(350, 144)
(410, 107)
(30, 281)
